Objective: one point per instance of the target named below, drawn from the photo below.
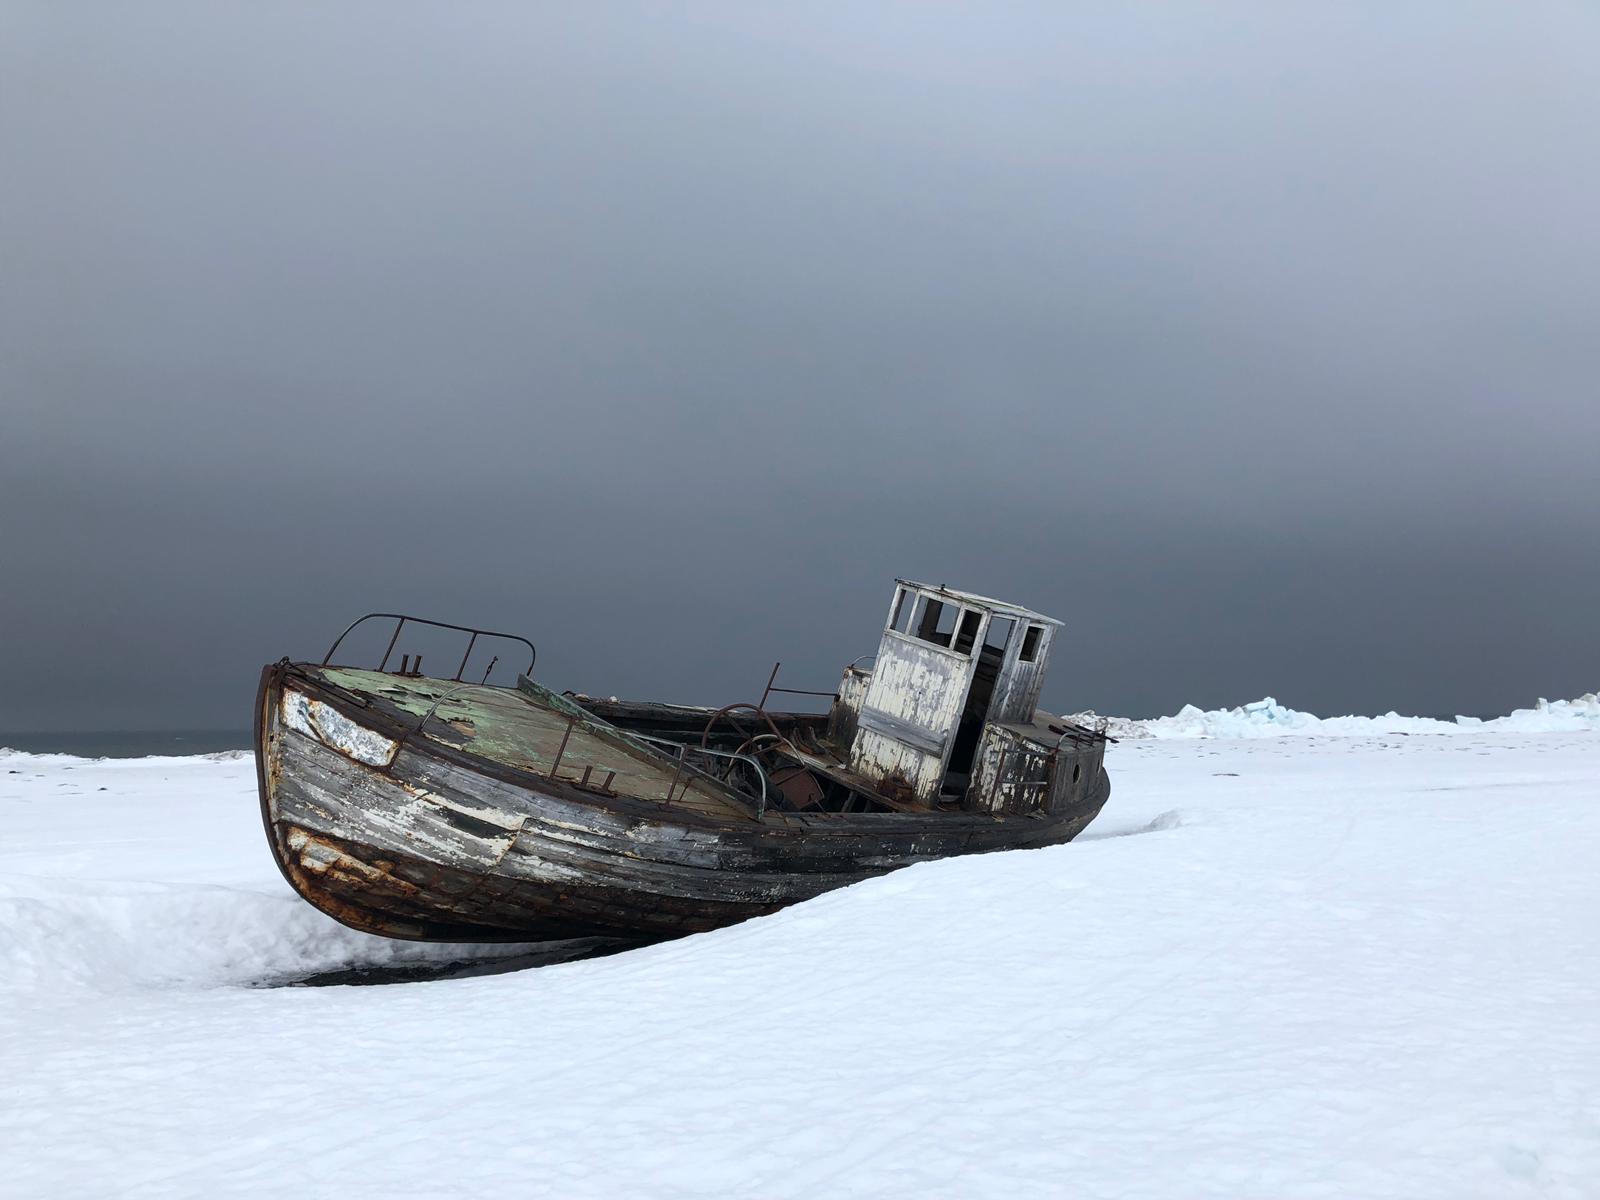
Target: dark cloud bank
(1257, 342)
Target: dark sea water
(122, 743)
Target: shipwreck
(443, 809)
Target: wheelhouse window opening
(904, 603)
(1030, 643)
(998, 636)
(936, 621)
(967, 631)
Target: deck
(533, 730)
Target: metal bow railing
(401, 620)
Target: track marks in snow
(1171, 819)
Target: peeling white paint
(314, 855)
(918, 686)
(510, 822)
(335, 730)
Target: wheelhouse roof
(973, 600)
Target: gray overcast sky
(1258, 342)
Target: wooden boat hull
(439, 844)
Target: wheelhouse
(948, 713)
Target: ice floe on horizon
(1268, 718)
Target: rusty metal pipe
(432, 709)
(705, 735)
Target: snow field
(1357, 966)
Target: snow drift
(154, 872)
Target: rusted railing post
(767, 691)
(473, 641)
(562, 749)
(673, 786)
(398, 625)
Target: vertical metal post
(398, 625)
(466, 656)
(771, 679)
(562, 749)
(672, 787)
